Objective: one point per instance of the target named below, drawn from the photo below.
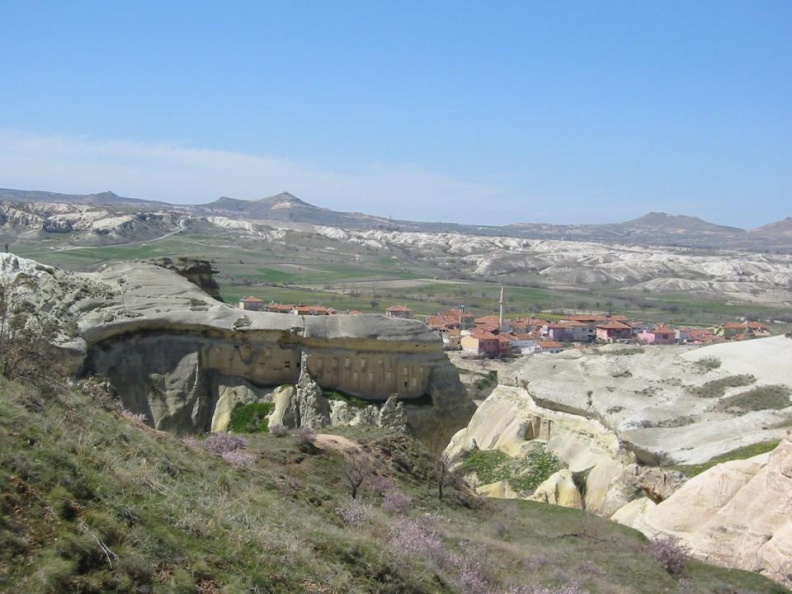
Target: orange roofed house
(741, 330)
(399, 311)
(251, 303)
(481, 342)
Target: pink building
(658, 335)
(614, 331)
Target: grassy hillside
(92, 500)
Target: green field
(315, 271)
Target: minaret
(500, 316)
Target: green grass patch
(691, 470)
(250, 418)
(490, 466)
(352, 401)
(524, 475)
(487, 380)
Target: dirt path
(336, 442)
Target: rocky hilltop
(184, 359)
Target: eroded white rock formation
(736, 514)
(184, 359)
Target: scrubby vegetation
(524, 475)
(92, 500)
(708, 363)
(759, 398)
(250, 418)
(352, 401)
(717, 388)
(487, 380)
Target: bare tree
(356, 469)
(443, 473)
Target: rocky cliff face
(737, 514)
(198, 272)
(177, 355)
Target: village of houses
(493, 336)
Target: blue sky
(469, 112)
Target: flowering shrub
(229, 447)
(396, 502)
(409, 539)
(670, 554)
(222, 443)
(239, 458)
(139, 418)
(278, 430)
(353, 512)
(305, 435)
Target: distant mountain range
(650, 229)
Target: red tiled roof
(252, 299)
(614, 325)
(482, 333)
(399, 308)
(550, 344)
(488, 320)
(521, 336)
(311, 309)
(276, 307)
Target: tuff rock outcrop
(184, 359)
(306, 405)
(736, 514)
(615, 415)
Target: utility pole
(500, 315)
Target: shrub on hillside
(278, 430)
(304, 435)
(396, 502)
(26, 351)
(353, 512)
(223, 443)
(670, 554)
(306, 439)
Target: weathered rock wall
(184, 359)
(172, 375)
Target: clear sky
(489, 112)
